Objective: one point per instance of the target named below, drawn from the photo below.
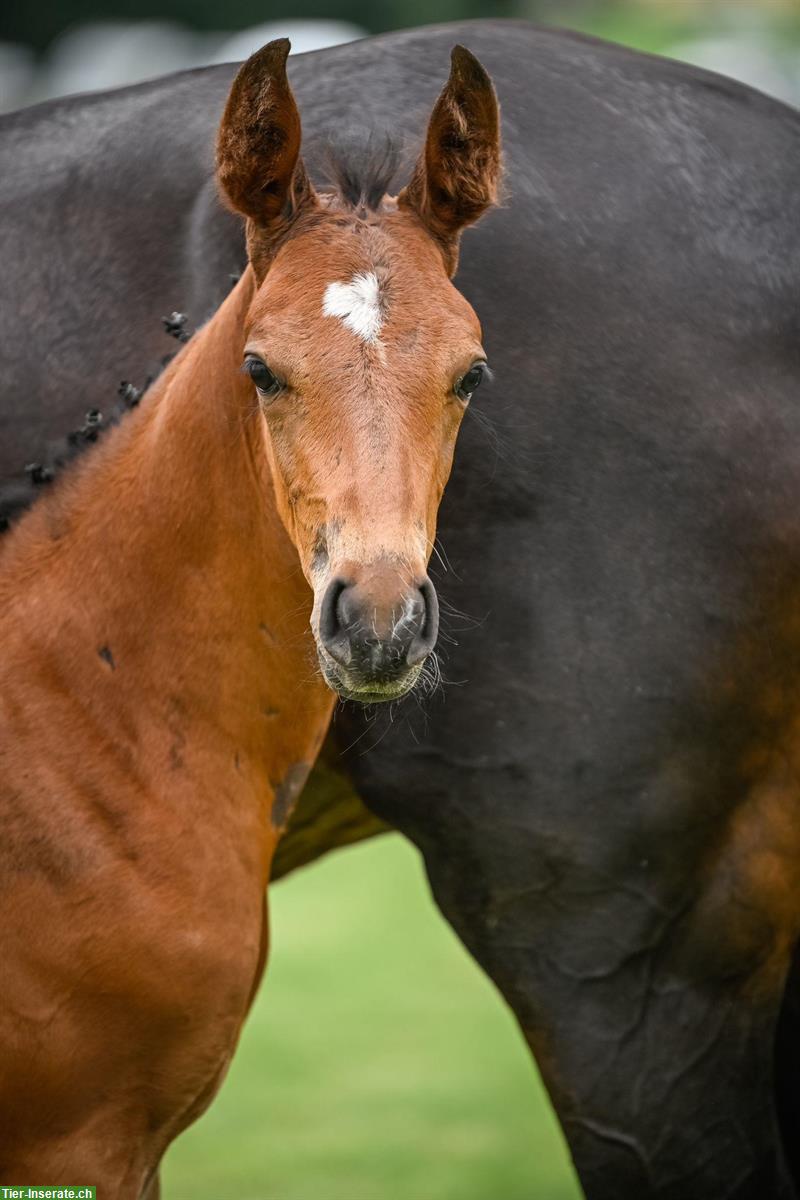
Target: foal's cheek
(304, 514)
(284, 458)
(286, 485)
(452, 424)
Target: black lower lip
(363, 697)
(371, 697)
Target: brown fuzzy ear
(456, 178)
(259, 169)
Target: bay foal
(158, 710)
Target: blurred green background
(654, 20)
(59, 46)
(378, 1063)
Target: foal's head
(363, 356)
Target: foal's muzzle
(374, 638)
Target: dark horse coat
(608, 808)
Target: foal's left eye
(267, 384)
(470, 382)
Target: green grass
(378, 1063)
(657, 28)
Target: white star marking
(356, 304)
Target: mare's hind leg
(639, 926)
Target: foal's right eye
(267, 384)
(469, 383)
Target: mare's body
(608, 808)
(158, 714)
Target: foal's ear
(259, 169)
(456, 177)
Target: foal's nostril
(359, 630)
(333, 623)
(426, 636)
(349, 610)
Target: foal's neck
(179, 465)
(159, 579)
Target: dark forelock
(362, 168)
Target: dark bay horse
(159, 705)
(608, 810)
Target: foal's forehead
(363, 277)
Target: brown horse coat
(160, 696)
(159, 710)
